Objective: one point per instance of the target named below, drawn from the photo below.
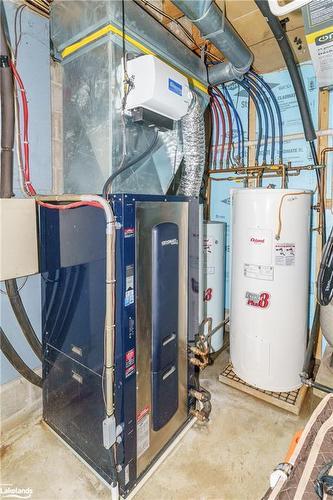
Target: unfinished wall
(33, 63)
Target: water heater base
(290, 401)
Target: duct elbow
(226, 72)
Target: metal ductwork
(215, 27)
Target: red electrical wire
(26, 169)
(223, 134)
(227, 107)
(75, 204)
(216, 129)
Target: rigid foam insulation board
(18, 238)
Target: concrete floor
(229, 458)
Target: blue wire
(240, 131)
(271, 115)
(277, 109)
(264, 112)
(255, 102)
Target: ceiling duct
(215, 27)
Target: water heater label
(175, 87)
(142, 432)
(260, 300)
(259, 272)
(285, 254)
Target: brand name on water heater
(174, 241)
(260, 300)
(257, 240)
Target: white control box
(18, 238)
(158, 87)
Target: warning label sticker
(142, 430)
(129, 363)
(259, 272)
(285, 254)
(129, 294)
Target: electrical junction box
(18, 238)
(157, 87)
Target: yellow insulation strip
(112, 29)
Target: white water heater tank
(213, 276)
(270, 286)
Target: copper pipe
(323, 155)
(268, 168)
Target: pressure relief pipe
(215, 27)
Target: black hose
(325, 275)
(7, 116)
(308, 361)
(17, 362)
(288, 56)
(108, 184)
(22, 317)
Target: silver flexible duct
(193, 129)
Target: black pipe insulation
(288, 56)
(22, 317)
(17, 362)
(7, 116)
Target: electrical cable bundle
(325, 275)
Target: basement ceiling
(244, 16)
(248, 22)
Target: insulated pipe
(215, 27)
(17, 362)
(288, 56)
(22, 317)
(109, 329)
(7, 117)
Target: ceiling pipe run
(216, 28)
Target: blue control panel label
(175, 87)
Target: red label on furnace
(130, 358)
